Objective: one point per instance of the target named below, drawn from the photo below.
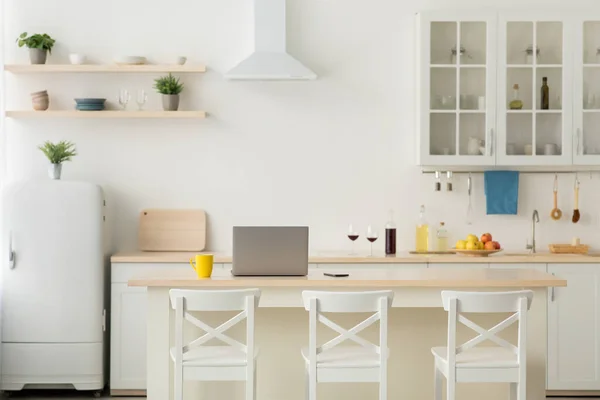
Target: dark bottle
(545, 95)
(390, 235)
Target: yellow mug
(203, 266)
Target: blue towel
(501, 192)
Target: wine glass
(141, 99)
(124, 98)
(372, 236)
(352, 235)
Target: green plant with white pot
(170, 87)
(39, 45)
(58, 153)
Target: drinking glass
(352, 235)
(141, 99)
(372, 236)
(124, 98)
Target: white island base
(417, 323)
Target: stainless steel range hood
(270, 60)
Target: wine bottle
(545, 95)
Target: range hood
(270, 60)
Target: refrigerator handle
(11, 253)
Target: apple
(490, 246)
(486, 237)
(497, 245)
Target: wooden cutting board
(172, 230)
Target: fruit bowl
(476, 253)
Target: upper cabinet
(534, 81)
(457, 96)
(508, 89)
(586, 102)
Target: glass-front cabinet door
(534, 81)
(586, 109)
(457, 88)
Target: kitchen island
(417, 322)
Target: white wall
(327, 153)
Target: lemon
(472, 246)
(461, 245)
(472, 238)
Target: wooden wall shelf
(107, 114)
(109, 68)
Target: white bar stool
(364, 362)
(233, 362)
(468, 363)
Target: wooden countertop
(400, 258)
(426, 277)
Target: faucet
(534, 218)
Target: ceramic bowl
(77, 59)
(130, 60)
(90, 101)
(179, 60)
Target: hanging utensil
(555, 214)
(470, 207)
(576, 214)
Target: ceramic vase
(54, 171)
(38, 56)
(170, 102)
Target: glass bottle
(516, 103)
(441, 238)
(390, 235)
(545, 94)
(422, 232)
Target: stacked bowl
(40, 100)
(89, 104)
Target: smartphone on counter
(336, 274)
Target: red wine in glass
(352, 235)
(372, 236)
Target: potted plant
(39, 46)
(57, 153)
(170, 87)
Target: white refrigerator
(52, 282)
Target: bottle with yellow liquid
(441, 238)
(422, 234)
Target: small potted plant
(39, 46)
(58, 153)
(170, 87)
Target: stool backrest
(457, 303)
(186, 301)
(317, 303)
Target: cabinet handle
(491, 139)
(11, 253)
(578, 149)
(552, 291)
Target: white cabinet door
(533, 46)
(586, 106)
(458, 265)
(456, 99)
(128, 338)
(574, 329)
(539, 267)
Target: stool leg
(383, 385)
(450, 389)
(178, 382)
(306, 384)
(437, 386)
(522, 391)
(312, 383)
(250, 380)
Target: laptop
(270, 251)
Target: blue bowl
(90, 101)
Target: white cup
(180, 60)
(481, 103)
(528, 149)
(550, 149)
(511, 149)
(77, 59)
